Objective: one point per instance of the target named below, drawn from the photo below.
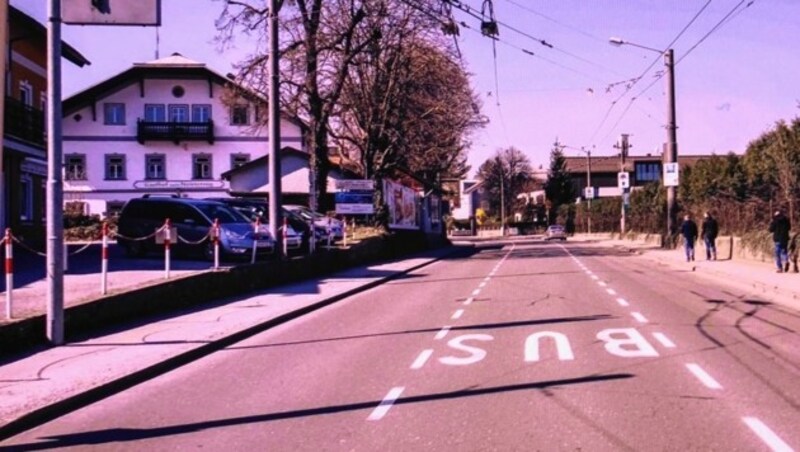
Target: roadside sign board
(588, 192)
(355, 184)
(671, 175)
(111, 12)
(354, 203)
(623, 180)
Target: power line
(570, 27)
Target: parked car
(332, 226)
(555, 232)
(297, 233)
(192, 219)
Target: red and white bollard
(167, 240)
(312, 239)
(104, 260)
(256, 229)
(9, 272)
(215, 238)
(344, 232)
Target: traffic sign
(671, 174)
(623, 180)
(588, 192)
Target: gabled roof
(263, 161)
(175, 66)
(39, 32)
(611, 164)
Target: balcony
(24, 122)
(174, 131)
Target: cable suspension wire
(637, 79)
(544, 16)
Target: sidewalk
(48, 384)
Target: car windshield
(224, 214)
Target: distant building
(166, 126)
(470, 198)
(24, 145)
(604, 170)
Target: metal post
(589, 185)
(55, 195)
(671, 155)
(623, 153)
(167, 255)
(215, 238)
(3, 69)
(256, 230)
(274, 126)
(104, 261)
(502, 207)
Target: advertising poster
(402, 203)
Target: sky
(730, 87)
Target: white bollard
(9, 273)
(215, 237)
(66, 256)
(167, 239)
(285, 235)
(104, 261)
(255, 240)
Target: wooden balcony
(24, 122)
(174, 131)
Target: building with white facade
(163, 127)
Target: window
(648, 171)
(238, 160)
(115, 167)
(75, 167)
(114, 114)
(155, 167)
(155, 113)
(201, 166)
(25, 198)
(113, 208)
(25, 93)
(201, 113)
(179, 113)
(239, 115)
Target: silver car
(555, 232)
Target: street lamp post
(671, 152)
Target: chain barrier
(26, 247)
(198, 242)
(81, 249)
(139, 239)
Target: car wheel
(134, 248)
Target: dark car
(192, 221)
(299, 231)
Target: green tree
(558, 188)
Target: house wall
(85, 133)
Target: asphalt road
(526, 347)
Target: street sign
(588, 192)
(354, 203)
(623, 180)
(355, 184)
(671, 175)
(111, 12)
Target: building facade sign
(177, 184)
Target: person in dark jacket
(780, 227)
(689, 233)
(710, 230)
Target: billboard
(402, 205)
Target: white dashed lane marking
(611, 291)
(602, 283)
(422, 358)
(703, 376)
(442, 333)
(476, 292)
(767, 435)
(664, 340)
(595, 277)
(457, 314)
(469, 301)
(622, 302)
(639, 317)
(386, 404)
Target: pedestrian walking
(689, 233)
(780, 227)
(709, 232)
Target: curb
(55, 410)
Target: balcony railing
(175, 131)
(24, 122)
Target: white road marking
(482, 285)
(639, 317)
(380, 411)
(442, 333)
(767, 435)
(476, 292)
(601, 283)
(622, 302)
(457, 314)
(703, 376)
(422, 358)
(611, 291)
(595, 277)
(469, 300)
(661, 337)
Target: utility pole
(624, 190)
(55, 193)
(502, 201)
(3, 69)
(671, 155)
(588, 186)
(274, 128)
